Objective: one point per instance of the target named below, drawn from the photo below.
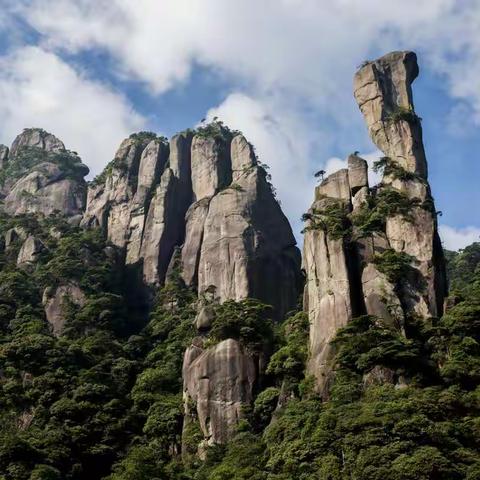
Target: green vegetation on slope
(104, 400)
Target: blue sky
(93, 71)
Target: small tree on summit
(320, 174)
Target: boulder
(55, 303)
(30, 250)
(357, 173)
(218, 382)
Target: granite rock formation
(374, 251)
(56, 301)
(207, 195)
(40, 176)
(218, 383)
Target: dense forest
(104, 400)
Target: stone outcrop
(38, 138)
(218, 383)
(165, 223)
(140, 201)
(56, 301)
(343, 261)
(41, 176)
(383, 92)
(14, 235)
(238, 240)
(112, 199)
(30, 250)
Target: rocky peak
(38, 138)
(383, 92)
(374, 251)
(38, 175)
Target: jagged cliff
(207, 195)
(374, 251)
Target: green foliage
(406, 114)
(216, 130)
(367, 342)
(463, 267)
(265, 405)
(288, 362)
(388, 202)
(244, 459)
(395, 265)
(146, 137)
(248, 321)
(391, 168)
(332, 219)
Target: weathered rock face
(55, 303)
(111, 198)
(30, 250)
(36, 137)
(140, 201)
(239, 241)
(165, 224)
(207, 195)
(345, 274)
(211, 167)
(328, 289)
(384, 94)
(41, 176)
(218, 383)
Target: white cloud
(39, 90)
(456, 238)
(307, 48)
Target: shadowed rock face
(238, 240)
(41, 176)
(344, 276)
